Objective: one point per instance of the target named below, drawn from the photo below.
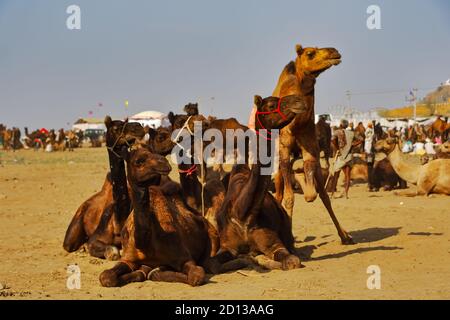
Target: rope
(117, 140)
(202, 169)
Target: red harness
(277, 110)
(189, 171)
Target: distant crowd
(47, 140)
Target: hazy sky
(162, 54)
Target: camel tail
(75, 235)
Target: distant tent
(83, 124)
(153, 119)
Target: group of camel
(162, 230)
(61, 140)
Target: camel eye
(140, 161)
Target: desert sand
(408, 238)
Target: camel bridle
(193, 168)
(121, 135)
(185, 126)
(277, 110)
(189, 171)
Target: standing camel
(299, 78)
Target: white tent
(153, 119)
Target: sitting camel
(99, 220)
(433, 177)
(163, 239)
(250, 219)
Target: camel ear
(258, 101)
(108, 122)
(171, 118)
(299, 49)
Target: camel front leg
(195, 274)
(279, 187)
(406, 193)
(121, 274)
(268, 242)
(225, 261)
(345, 237)
(99, 249)
(288, 192)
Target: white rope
(185, 126)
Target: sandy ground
(408, 238)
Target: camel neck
(257, 182)
(142, 221)
(119, 185)
(307, 83)
(406, 171)
(191, 187)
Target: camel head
(185, 121)
(144, 166)
(386, 145)
(276, 113)
(191, 109)
(160, 140)
(120, 133)
(314, 61)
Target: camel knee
(288, 260)
(196, 276)
(109, 279)
(288, 202)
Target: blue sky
(162, 54)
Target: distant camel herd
(217, 221)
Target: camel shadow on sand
(374, 234)
(359, 236)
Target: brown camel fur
(100, 219)
(299, 78)
(251, 220)
(433, 177)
